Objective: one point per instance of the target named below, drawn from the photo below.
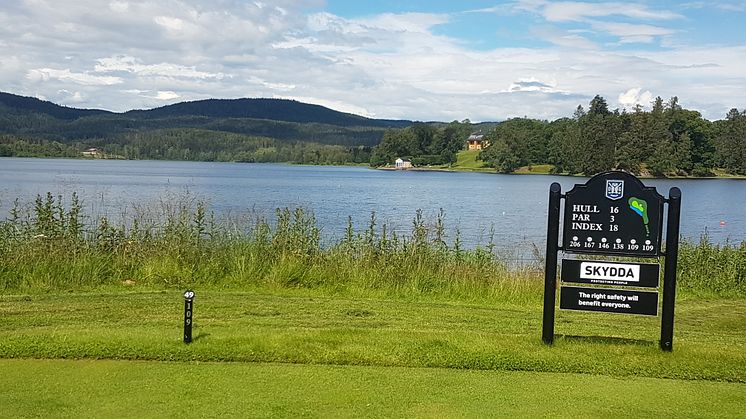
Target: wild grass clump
(423, 263)
(53, 245)
(180, 243)
(716, 268)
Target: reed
(713, 268)
(55, 245)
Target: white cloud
(333, 104)
(11, 66)
(68, 97)
(125, 63)
(125, 54)
(564, 38)
(634, 97)
(46, 74)
(390, 22)
(629, 33)
(569, 11)
(531, 85)
(281, 87)
(166, 95)
(731, 7)
(601, 18)
(719, 5)
(170, 23)
(405, 22)
(119, 6)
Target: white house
(93, 152)
(403, 164)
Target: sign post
(550, 273)
(669, 272)
(188, 312)
(612, 214)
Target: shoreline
(520, 171)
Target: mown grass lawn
(376, 325)
(540, 169)
(710, 335)
(106, 388)
(287, 353)
(466, 160)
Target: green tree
(396, 143)
(516, 142)
(424, 144)
(599, 132)
(634, 144)
(662, 152)
(564, 148)
(730, 142)
(500, 156)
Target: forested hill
(272, 109)
(279, 119)
(255, 108)
(20, 105)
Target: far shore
(543, 169)
(528, 171)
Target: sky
(429, 60)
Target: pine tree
(731, 142)
(661, 160)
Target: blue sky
(424, 60)
(493, 24)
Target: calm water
(515, 205)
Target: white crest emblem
(614, 189)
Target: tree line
(190, 145)
(667, 140)
(423, 144)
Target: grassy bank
(180, 244)
(467, 161)
(177, 244)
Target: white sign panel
(610, 271)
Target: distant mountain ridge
(16, 104)
(255, 108)
(273, 109)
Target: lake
(514, 206)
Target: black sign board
(613, 213)
(609, 300)
(188, 312)
(611, 273)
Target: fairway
(311, 329)
(295, 353)
(104, 388)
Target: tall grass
(53, 246)
(178, 242)
(720, 269)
